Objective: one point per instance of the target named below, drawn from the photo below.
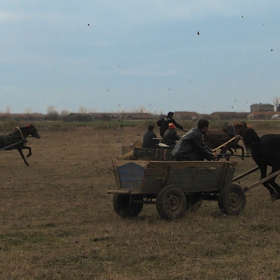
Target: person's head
(170, 115)
(150, 127)
(203, 125)
(171, 126)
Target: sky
(132, 55)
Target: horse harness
(20, 132)
(23, 139)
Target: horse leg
(273, 192)
(29, 151)
(272, 181)
(242, 150)
(222, 153)
(22, 155)
(237, 146)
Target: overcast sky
(108, 56)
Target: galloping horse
(216, 138)
(17, 140)
(265, 152)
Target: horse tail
(251, 139)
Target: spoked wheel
(194, 202)
(232, 200)
(171, 203)
(127, 206)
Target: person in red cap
(170, 136)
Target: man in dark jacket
(191, 145)
(170, 136)
(163, 123)
(150, 139)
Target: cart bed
(193, 176)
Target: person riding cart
(170, 136)
(191, 146)
(164, 122)
(150, 139)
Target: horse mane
(251, 139)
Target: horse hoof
(274, 197)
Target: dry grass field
(58, 222)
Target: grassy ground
(58, 222)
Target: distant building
(261, 115)
(262, 107)
(228, 115)
(185, 115)
(276, 117)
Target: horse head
(33, 131)
(251, 138)
(241, 127)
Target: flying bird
(198, 33)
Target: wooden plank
(130, 175)
(122, 162)
(128, 191)
(221, 146)
(262, 181)
(195, 179)
(116, 175)
(245, 174)
(155, 171)
(189, 164)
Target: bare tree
(141, 109)
(28, 111)
(64, 112)
(52, 114)
(51, 109)
(83, 110)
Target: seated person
(150, 139)
(191, 146)
(170, 136)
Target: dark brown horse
(216, 138)
(265, 151)
(17, 140)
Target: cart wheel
(232, 200)
(137, 144)
(171, 203)
(126, 206)
(193, 202)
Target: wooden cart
(175, 187)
